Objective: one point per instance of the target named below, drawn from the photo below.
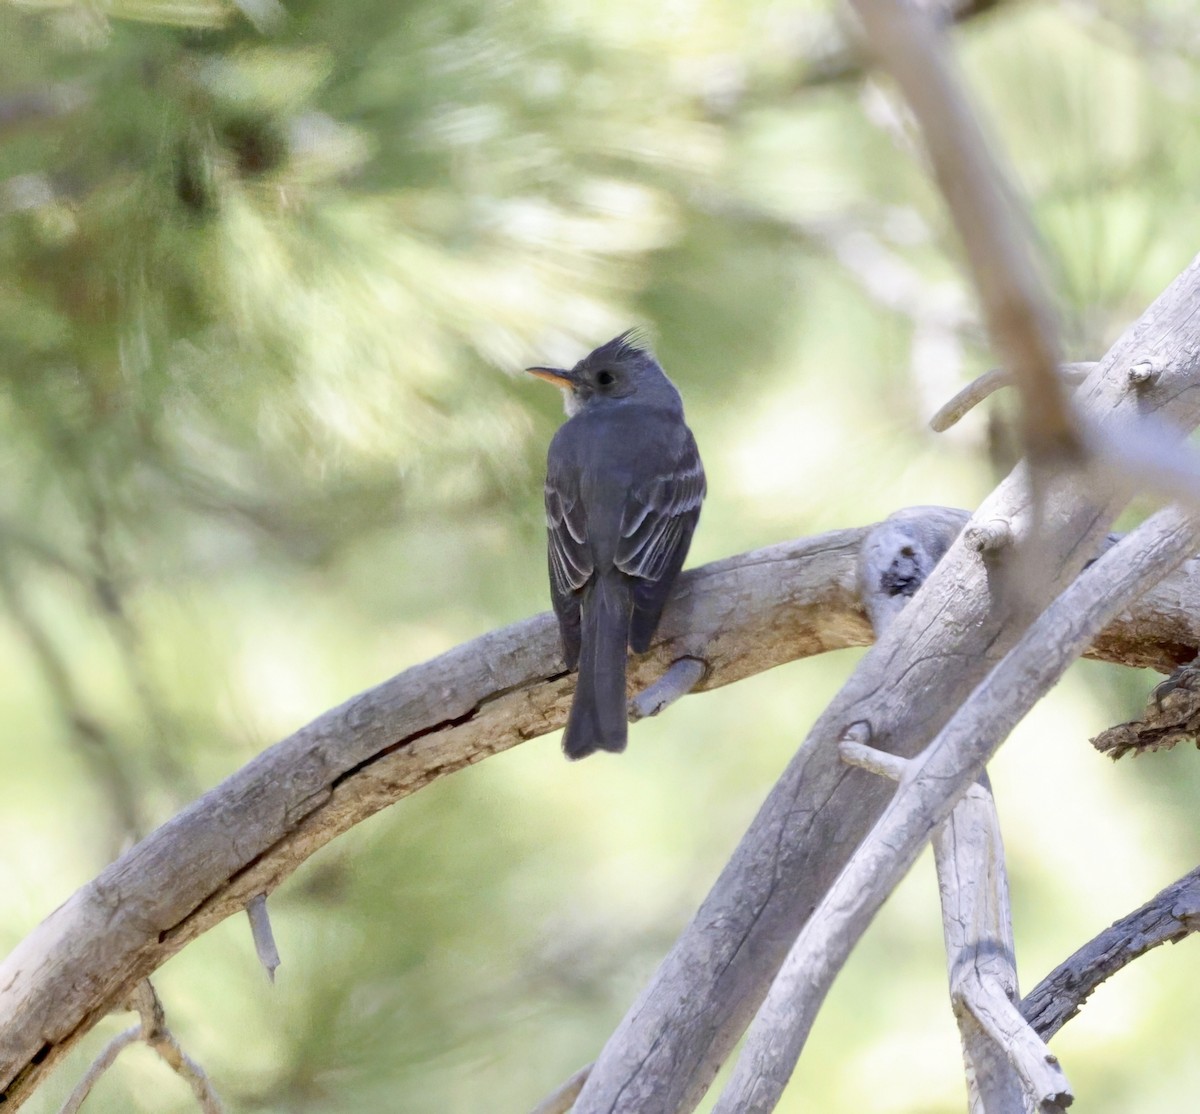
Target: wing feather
(566, 520)
(656, 516)
(656, 531)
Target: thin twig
(99, 1066)
(1168, 917)
(169, 1051)
(988, 384)
(264, 937)
(928, 792)
(152, 1029)
(563, 1097)
(155, 1033)
(683, 675)
(875, 761)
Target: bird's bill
(560, 377)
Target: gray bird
(624, 484)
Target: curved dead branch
(1168, 917)
(987, 384)
(237, 842)
(740, 616)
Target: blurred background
(268, 273)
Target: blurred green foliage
(267, 278)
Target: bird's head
(621, 369)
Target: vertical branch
(980, 199)
(1009, 1068)
(1005, 1064)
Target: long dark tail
(598, 719)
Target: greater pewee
(624, 485)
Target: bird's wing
(569, 555)
(656, 530)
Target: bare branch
(833, 57)
(264, 937)
(1168, 917)
(99, 1066)
(152, 1028)
(879, 762)
(979, 197)
(155, 1033)
(929, 791)
(666, 1052)
(563, 1098)
(683, 676)
(1008, 1067)
(167, 1047)
(1006, 1063)
(1172, 716)
(1044, 1086)
(988, 384)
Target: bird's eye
(605, 378)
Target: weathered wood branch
(1008, 1066)
(1009, 1070)
(151, 1030)
(1168, 917)
(743, 615)
(663, 1056)
(1172, 716)
(739, 616)
(929, 789)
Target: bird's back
(603, 454)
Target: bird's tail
(598, 719)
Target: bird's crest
(630, 345)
